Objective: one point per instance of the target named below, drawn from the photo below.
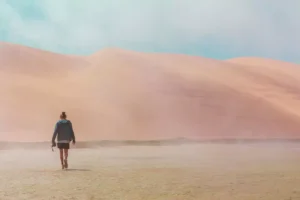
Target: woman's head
(63, 115)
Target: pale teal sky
(213, 28)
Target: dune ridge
(115, 94)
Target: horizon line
(126, 49)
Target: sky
(219, 29)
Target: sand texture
(189, 172)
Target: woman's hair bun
(63, 115)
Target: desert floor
(202, 171)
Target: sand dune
(119, 94)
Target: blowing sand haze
(172, 100)
(189, 172)
(119, 94)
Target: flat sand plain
(186, 172)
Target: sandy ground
(206, 171)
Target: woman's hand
(53, 144)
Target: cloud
(267, 27)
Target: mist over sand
(134, 103)
(190, 172)
(116, 94)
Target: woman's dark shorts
(63, 145)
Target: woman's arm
(72, 132)
(54, 135)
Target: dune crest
(119, 94)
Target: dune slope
(118, 94)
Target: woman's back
(64, 131)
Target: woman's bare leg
(66, 157)
(61, 154)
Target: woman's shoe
(66, 164)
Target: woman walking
(64, 133)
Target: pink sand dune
(119, 94)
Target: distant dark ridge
(110, 143)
